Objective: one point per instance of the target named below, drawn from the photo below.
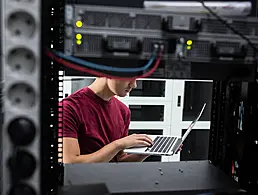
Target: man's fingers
(141, 142)
(149, 139)
(179, 149)
(144, 137)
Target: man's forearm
(132, 158)
(105, 154)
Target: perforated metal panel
(250, 51)
(213, 26)
(244, 27)
(148, 22)
(118, 20)
(91, 44)
(94, 19)
(199, 49)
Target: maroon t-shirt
(94, 121)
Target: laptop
(164, 145)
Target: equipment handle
(215, 52)
(132, 50)
(165, 27)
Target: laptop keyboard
(162, 144)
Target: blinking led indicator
(78, 39)
(79, 36)
(189, 44)
(78, 42)
(78, 24)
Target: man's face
(121, 87)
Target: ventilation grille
(121, 20)
(91, 44)
(117, 20)
(244, 27)
(94, 19)
(113, 20)
(213, 26)
(199, 49)
(250, 51)
(148, 22)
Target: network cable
(104, 67)
(98, 73)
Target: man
(96, 124)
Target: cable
(104, 67)
(99, 74)
(229, 26)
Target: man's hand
(179, 149)
(134, 140)
(124, 157)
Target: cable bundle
(97, 69)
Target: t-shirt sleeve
(71, 120)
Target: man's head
(121, 87)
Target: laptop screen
(193, 123)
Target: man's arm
(71, 151)
(124, 157)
